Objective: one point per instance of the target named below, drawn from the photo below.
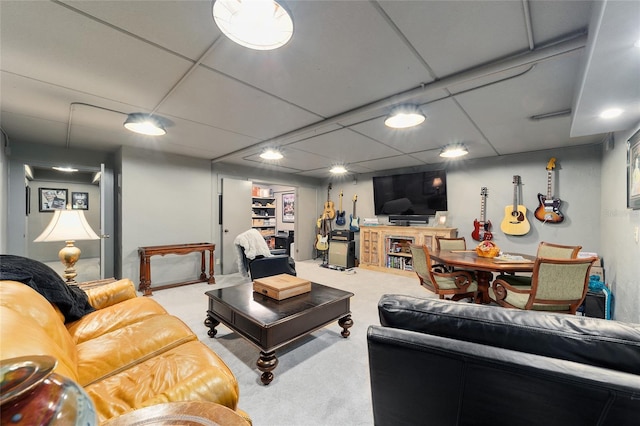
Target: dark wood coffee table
(270, 324)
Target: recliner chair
(261, 261)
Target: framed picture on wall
(51, 199)
(288, 207)
(633, 171)
(80, 200)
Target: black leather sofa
(435, 362)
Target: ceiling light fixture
(145, 124)
(256, 24)
(338, 170)
(611, 113)
(404, 116)
(454, 151)
(64, 169)
(271, 154)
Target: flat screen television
(411, 196)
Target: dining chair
(558, 285)
(457, 284)
(548, 250)
(448, 243)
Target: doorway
(86, 190)
(258, 205)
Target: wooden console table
(145, 264)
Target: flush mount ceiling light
(256, 24)
(404, 116)
(271, 154)
(611, 113)
(338, 170)
(454, 151)
(64, 169)
(144, 124)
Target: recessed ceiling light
(404, 116)
(256, 24)
(338, 170)
(611, 113)
(454, 151)
(65, 169)
(271, 154)
(145, 124)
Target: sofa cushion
(71, 301)
(22, 335)
(112, 293)
(187, 372)
(608, 344)
(125, 347)
(29, 304)
(113, 317)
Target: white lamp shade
(67, 225)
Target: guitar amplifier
(342, 235)
(342, 253)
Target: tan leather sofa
(127, 354)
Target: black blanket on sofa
(72, 302)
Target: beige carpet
(321, 379)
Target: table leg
(212, 323)
(484, 280)
(203, 275)
(266, 363)
(346, 323)
(145, 275)
(212, 280)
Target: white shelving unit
(263, 217)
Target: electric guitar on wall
(482, 229)
(322, 238)
(329, 208)
(549, 209)
(515, 216)
(340, 214)
(354, 221)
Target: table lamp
(68, 226)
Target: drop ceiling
(71, 70)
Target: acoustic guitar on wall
(482, 229)
(329, 208)
(340, 214)
(549, 209)
(515, 216)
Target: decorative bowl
(32, 394)
(487, 249)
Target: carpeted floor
(321, 379)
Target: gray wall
(4, 193)
(165, 199)
(617, 224)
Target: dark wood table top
(469, 259)
(267, 311)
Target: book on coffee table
(281, 286)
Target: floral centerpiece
(487, 249)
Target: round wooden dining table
(483, 266)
